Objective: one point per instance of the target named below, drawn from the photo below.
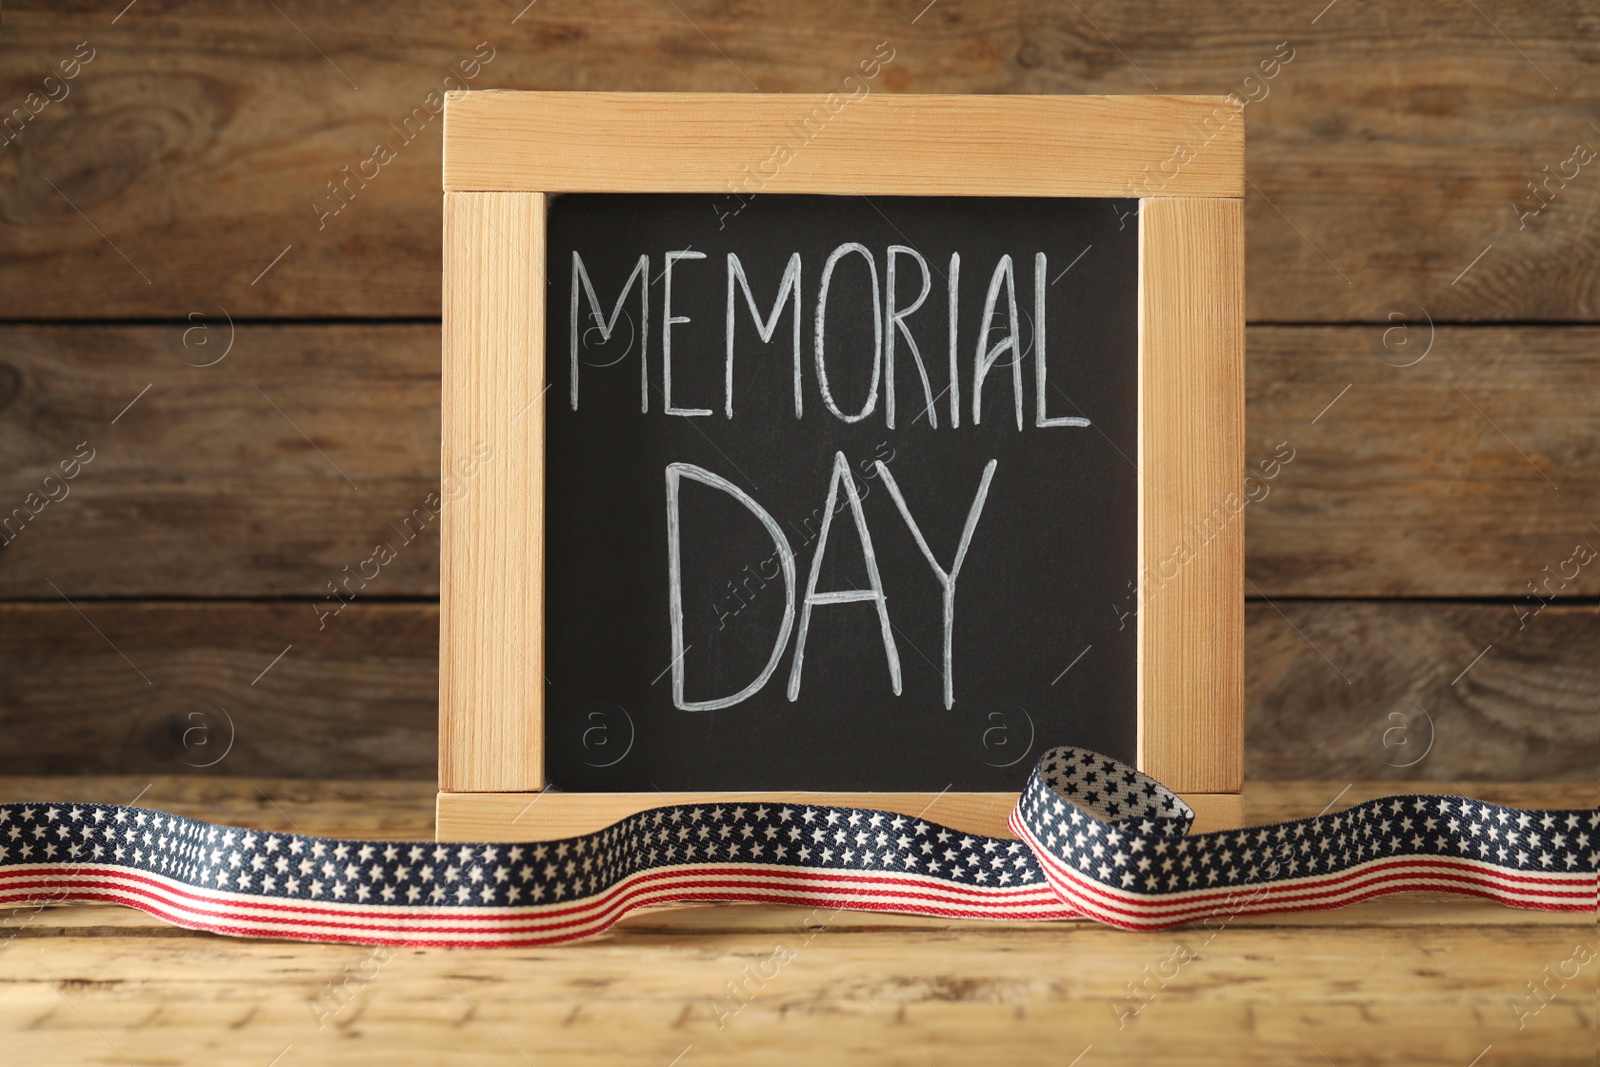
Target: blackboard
(1042, 635)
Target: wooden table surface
(1419, 979)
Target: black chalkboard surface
(693, 480)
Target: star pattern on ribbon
(1094, 838)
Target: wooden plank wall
(1422, 336)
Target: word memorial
(853, 496)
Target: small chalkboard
(865, 475)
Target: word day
(968, 366)
(874, 594)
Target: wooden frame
(1183, 157)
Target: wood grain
(878, 996)
(1191, 544)
(1385, 156)
(400, 808)
(162, 687)
(552, 814)
(1400, 488)
(1376, 690)
(1448, 462)
(403, 808)
(884, 145)
(101, 984)
(268, 473)
(491, 566)
(358, 699)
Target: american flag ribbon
(1095, 839)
